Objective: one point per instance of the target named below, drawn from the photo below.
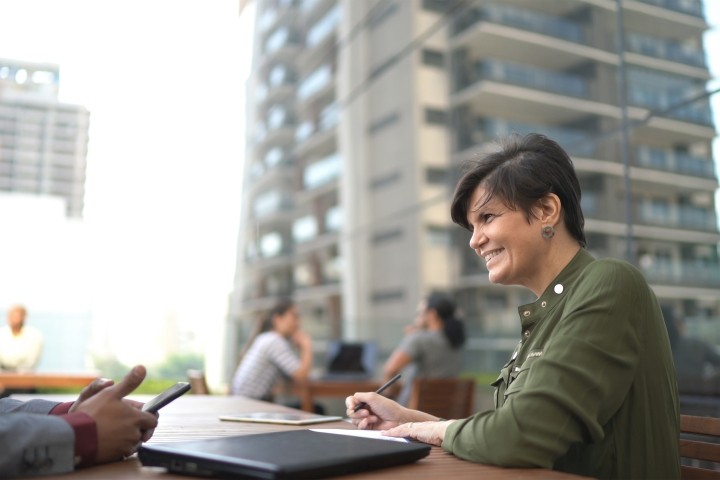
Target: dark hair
(265, 323)
(522, 171)
(453, 328)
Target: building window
(387, 235)
(378, 18)
(440, 6)
(383, 296)
(383, 122)
(435, 116)
(433, 58)
(436, 176)
(382, 181)
(439, 236)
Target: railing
(533, 77)
(322, 171)
(668, 50)
(678, 217)
(676, 162)
(682, 272)
(523, 19)
(691, 7)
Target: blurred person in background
(41, 437)
(20, 345)
(591, 388)
(431, 348)
(269, 355)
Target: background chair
(198, 384)
(444, 397)
(699, 447)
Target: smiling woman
(590, 388)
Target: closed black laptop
(280, 455)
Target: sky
(164, 83)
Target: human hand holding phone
(166, 397)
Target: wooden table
(45, 380)
(307, 392)
(196, 416)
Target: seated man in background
(20, 345)
(41, 437)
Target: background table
(45, 380)
(196, 417)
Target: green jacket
(591, 387)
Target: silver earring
(548, 231)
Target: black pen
(379, 390)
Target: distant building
(43, 142)
(360, 115)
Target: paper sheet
(360, 433)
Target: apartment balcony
(324, 28)
(322, 172)
(688, 7)
(665, 49)
(522, 19)
(674, 162)
(686, 273)
(318, 135)
(319, 83)
(527, 76)
(664, 101)
(283, 44)
(575, 141)
(682, 217)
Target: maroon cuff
(86, 440)
(61, 408)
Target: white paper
(360, 433)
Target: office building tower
(43, 142)
(361, 114)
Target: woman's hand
(381, 413)
(426, 432)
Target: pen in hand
(379, 390)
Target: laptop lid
(280, 455)
(350, 359)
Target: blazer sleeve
(34, 443)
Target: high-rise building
(361, 115)
(43, 142)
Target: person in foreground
(591, 387)
(41, 437)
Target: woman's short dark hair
(453, 328)
(524, 170)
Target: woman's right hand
(378, 413)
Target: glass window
(387, 235)
(271, 244)
(387, 295)
(434, 116)
(384, 180)
(383, 122)
(433, 58)
(304, 229)
(333, 219)
(321, 172)
(436, 176)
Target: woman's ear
(549, 209)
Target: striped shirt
(270, 356)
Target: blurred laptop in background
(350, 360)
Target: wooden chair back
(444, 397)
(699, 447)
(198, 384)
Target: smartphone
(166, 397)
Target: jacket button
(526, 313)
